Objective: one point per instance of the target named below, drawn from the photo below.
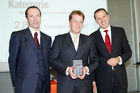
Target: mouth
(103, 23)
(35, 23)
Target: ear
(69, 22)
(108, 17)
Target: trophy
(78, 67)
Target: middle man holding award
(74, 57)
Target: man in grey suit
(63, 53)
(29, 56)
(113, 51)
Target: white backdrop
(55, 15)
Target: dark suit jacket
(62, 55)
(120, 47)
(24, 61)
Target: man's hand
(113, 61)
(94, 86)
(70, 71)
(84, 73)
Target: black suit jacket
(62, 55)
(120, 47)
(24, 61)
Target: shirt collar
(72, 35)
(33, 31)
(109, 29)
(104, 33)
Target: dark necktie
(107, 41)
(35, 38)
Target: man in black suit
(65, 51)
(29, 56)
(113, 51)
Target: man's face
(34, 18)
(102, 19)
(76, 23)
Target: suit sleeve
(93, 58)
(55, 57)
(13, 55)
(49, 43)
(126, 50)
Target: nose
(35, 18)
(102, 19)
(78, 23)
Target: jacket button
(38, 62)
(37, 73)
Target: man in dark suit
(64, 51)
(29, 56)
(113, 51)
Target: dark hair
(26, 12)
(78, 12)
(100, 9)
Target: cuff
(87, 70)
(120, 63)
(67, 73)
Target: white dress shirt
(72, 37)
(33, 32)
(109, 33)
(104, 33)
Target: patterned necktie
(107, 41)
(75, 41)
(36, 40)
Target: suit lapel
(69, 41)
(44, 43)
(100, 37)
(101, 41)
(81, 42)
(29, 37)
(113, 37)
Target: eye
(74, 21)
(98, 19)
(30, 15)
(38, 15)
(81, 22)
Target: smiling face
(102, 19)
(34, 18)
(76, 23)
